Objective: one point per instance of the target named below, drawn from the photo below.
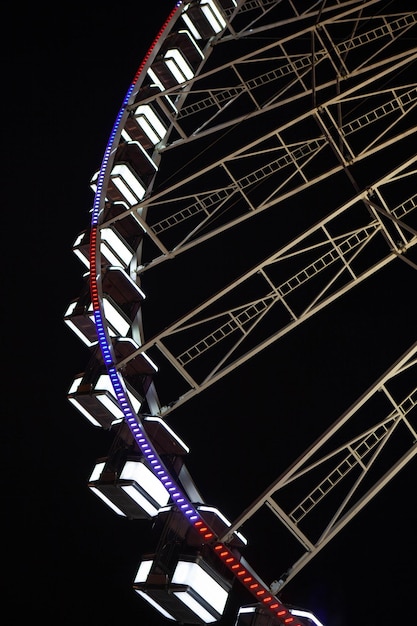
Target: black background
(67, 558)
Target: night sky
(67, 558)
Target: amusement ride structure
(261, 167)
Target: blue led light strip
(98, 199)
(105, 344)
(104, 341)
(255, 587)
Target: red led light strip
(261, 593)
(157, 38)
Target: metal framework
(366, 108)
(283, 141)
(363, 460)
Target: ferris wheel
(261, 169)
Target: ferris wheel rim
(249, 579)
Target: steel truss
(362, 463)
(357, 101)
